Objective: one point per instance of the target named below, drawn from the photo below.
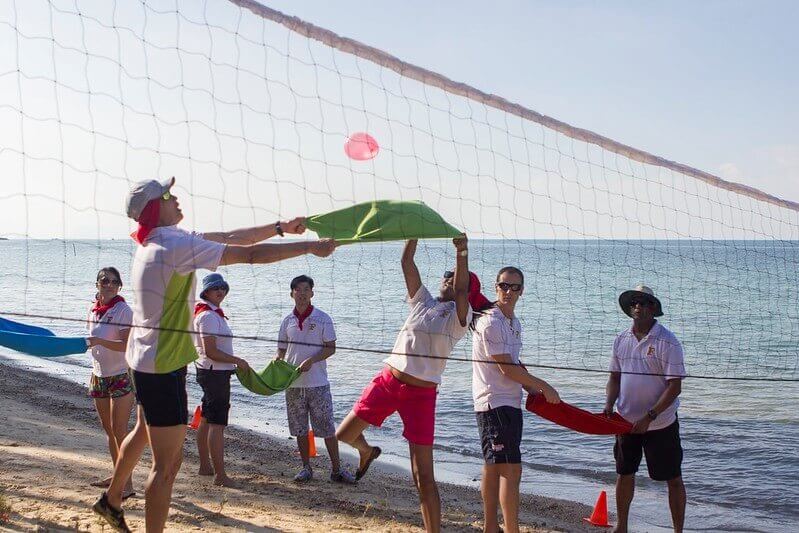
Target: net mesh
(251, 115)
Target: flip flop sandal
(376, 451)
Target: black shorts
(162, 397)
(216, 394)
(662, 449)
(501, 435)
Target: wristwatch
(652, 414)
(463, 253)
(279, 229)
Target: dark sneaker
(343, 477)
(114, 517)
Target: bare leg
(509, 477)
(167, 446)
(677, 500)
(331, 443)
(489, 487)
(129, 455)
(216, 441)
(103, 407)
(203, 449)
(351, 431)
(304, 449)
(625, 490)
(424, 477)
(120, 418)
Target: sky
(252, 118)
(712, 84)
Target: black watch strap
(279, 229)
(652, 414)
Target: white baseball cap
(142, 192)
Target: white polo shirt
(162, 278)
(209, 324)
(495, 334)
(658, 353)
(105, 362)
(317, 329)
(432, 328)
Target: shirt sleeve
(422, 296)
(124, 318)
(205, 324)
(328, 331)
(193, 252)
(615, 366)
(282, 336)
(673, 360)
(494, 339)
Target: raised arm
(519, 374)
(461, 282)
(270, 253)
(256, 234)
(413, 281)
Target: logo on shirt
(445, 313)
(311, 326)
(651, 350)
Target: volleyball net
(250, 110)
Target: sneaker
(343, 476)
(114, 517)
(304, 475)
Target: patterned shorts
(111, 386)
(315, 403)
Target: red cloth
(476, 298)
(101, 309)
(301, 317)
(200, 307)
(577, 419)
(148, 221)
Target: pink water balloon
(361, 146)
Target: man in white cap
(646, 372)
(160, 345)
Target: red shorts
(416, 406)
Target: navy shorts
(216, 394)
(662, 449)
(501, 434)
(162, 397)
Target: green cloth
(276, 377)
(382, 220)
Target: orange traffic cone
(195, 420)
(600, 515)
(311, 444)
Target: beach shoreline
(52, 447)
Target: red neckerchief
(200, 307)
(148, 221)
(101, 309)
(301, 317)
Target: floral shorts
(111, 386)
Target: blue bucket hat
(212, 281)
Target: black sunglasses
(107, 281)
(515, 287)
(638, 301)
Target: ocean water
(733, 304)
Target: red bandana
(476, 298)
(301, 317)
(200, 307)
(148, 221)
(101, 309)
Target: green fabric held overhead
(382, 220)
(276, 377)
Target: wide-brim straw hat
(641, 291)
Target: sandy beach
(52, 448)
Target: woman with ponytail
(110, 386)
